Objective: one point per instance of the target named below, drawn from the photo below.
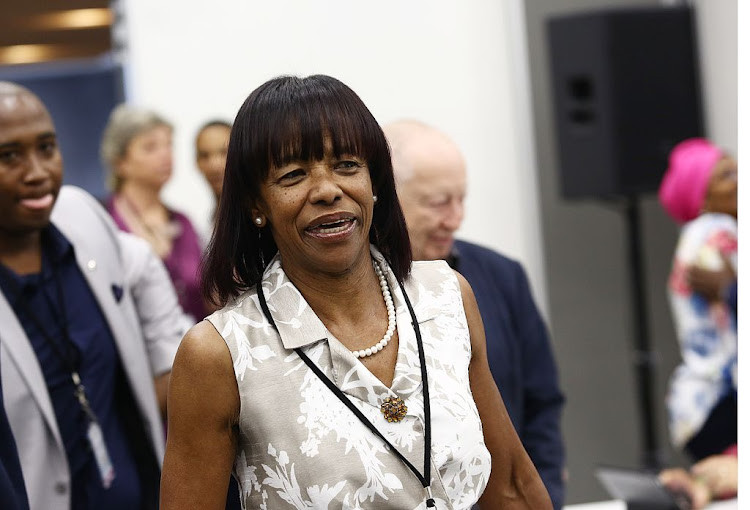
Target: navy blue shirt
(90, 349)
(520, 357)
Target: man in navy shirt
(90, 325)
(431, 180)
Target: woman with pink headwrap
(699, 190)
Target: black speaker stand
(644, 360)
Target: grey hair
(401, 134)
(125, 123)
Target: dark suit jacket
(520, 357)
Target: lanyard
(424, 479)
(69, 359)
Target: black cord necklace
(423, 478)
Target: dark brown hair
(288, 119)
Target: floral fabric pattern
(707, 332)
(300, 447)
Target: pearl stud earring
(258, 220)
(374, 198)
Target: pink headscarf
(683, 188)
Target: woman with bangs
(337, 373)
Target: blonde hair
(125, 123)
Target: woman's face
(721, 195)
(148, 158)
(319, 213)
(211, 153)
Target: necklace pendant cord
(430, 500)
(423, 477)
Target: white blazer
(147, 325)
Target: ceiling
(33, 31)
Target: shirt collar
(297, 323)
(55, 247)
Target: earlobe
(258, 218)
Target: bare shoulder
(467, 294)
(203, 352)
(463, 283)
(473, 317)
(202, 386)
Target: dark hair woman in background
(211, 153)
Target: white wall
(716, 23)
(448, 63)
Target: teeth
(333, 227)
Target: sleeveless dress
(300, 447)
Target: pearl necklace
(391, 316)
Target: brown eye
(48, 148)
(8, 157)
(347, 165)
(292, 175)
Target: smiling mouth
(442, 240)
(42, 202)
(332, 228)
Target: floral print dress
(300, 447)
(707, 332)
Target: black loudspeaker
(626, 90)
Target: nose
(325, 189)
(217, 163)
(167, 156)
(37, 170)
(454, 214)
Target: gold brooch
(393, 409)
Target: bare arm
(161, 386)
(203, 412)
(711, 284)
(514, 482)
(540, 432)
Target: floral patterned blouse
(301, 447)
(707, 332)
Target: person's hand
(679, 480)
(709, 283)
(719, 473)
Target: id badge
(99, 447)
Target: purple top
(183, 262)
